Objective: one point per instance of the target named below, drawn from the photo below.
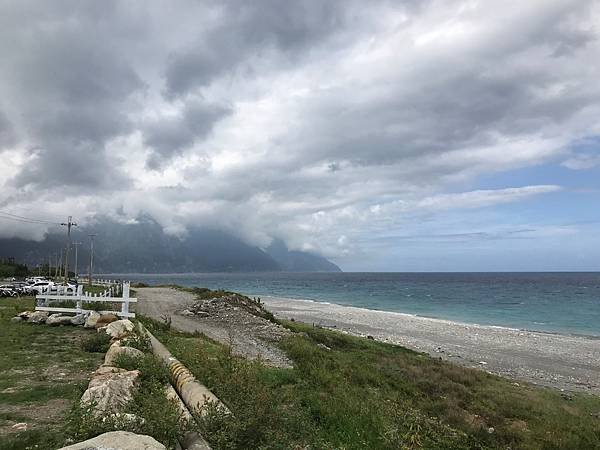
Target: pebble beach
(566, 362)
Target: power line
(28, 219)
(25, 221)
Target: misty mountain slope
(144, 247)
(296, 261)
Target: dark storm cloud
(81, 165)
(71, 89)
(247, 31)
(168, 136)
(7, 137)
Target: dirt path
(245, 332)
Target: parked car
(68, 288)
(7, 290)
(40, 287)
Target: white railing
(81, 298)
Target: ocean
(566, 303)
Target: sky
(385, 135)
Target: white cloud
(319, 124)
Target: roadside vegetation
(43, 372)
(355, 393)
(344, 392)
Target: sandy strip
(560, 361)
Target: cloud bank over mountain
(329, 125)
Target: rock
(58, 319)
(17, 319)
(490, 430)
(103, 370)
(187, 312)
(25, 314)
(105, 319)
(79, 319)
(119, 329)
(116, 350)
(92, 318)
(38, 317)
(110, 391)
(118, 440)
(21, 426)
(371, 338)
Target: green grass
(353, 393)
(43, 372)
(343, 392)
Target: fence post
(79, 294)
(125, 304)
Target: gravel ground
(249, 335)
(559, 361)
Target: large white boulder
(25, 314)
(79, 319)
(119, 329)
(58, 319)
(92, 318)
(38, 317)
(118, 440)
(116, 350)
(111, 391)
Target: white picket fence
(110, 295)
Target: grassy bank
(43, 372)
(343, 392)
(353, 393)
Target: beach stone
(92, 318)
(110, 391)
(17, 319)
(118, 440)
(38, 317)
(119, 329)
(58, 319)
(79, 319)
(105, 319)
(116, 350)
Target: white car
(63, 288)
(40, 287)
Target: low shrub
(139, 341)
(152, 370)
(96, 343)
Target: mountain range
(143, 247)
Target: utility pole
(91, 258)
(60, 265)
(76, 244)
(69, 224)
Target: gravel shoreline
(554, 360)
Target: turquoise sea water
(552, 302)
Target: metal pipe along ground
(194, 394)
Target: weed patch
(353, 393)
(98, 343)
